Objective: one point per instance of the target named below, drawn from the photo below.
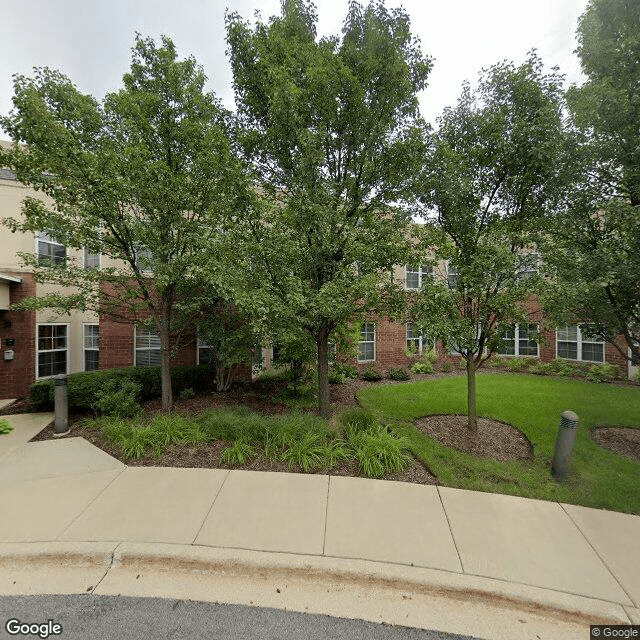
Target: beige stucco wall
(12, 194)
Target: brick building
(36, 345)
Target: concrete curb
(375, 591)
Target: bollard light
(61, 421)
(564, 444)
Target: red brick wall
(116, 343)
(391, 343)
(16, 375)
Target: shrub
(347, 370)
(187, 393)
(118, 398)
(561, 367)
(5, 427)
(274, 375)
(371, 373)
(83, 387)
(429, 355)
(495, 362)
(517, 364)
(541, 369)
(603, 372)
(336, 377)
(398, 373)
(447, 367)
(422, 367)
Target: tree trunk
(472, 412)
(165, 365)
(324, 401)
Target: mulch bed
(207, 456)
(622, 440)
(495, 440)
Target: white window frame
(152, 334)
(580, 341)
(202, 345)
(144, 252)
(452, 271)
(422, 271)
(516, 343)
(413, 339)
(362, 331)
(48, 260)
(530, 267)
(39, 351)
(84, 345)
(85, 256)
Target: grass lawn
(597, 478)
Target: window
(574, 344)
(205, 352)
(52, 350)
(367, 343)
(143, 260)
(91, 260)
(529, 266)
(148, 353)
(91, 335)
(509, 342)
(452, 276)
(520, 340)
(415, 276)
(50, 251)
(415, 340)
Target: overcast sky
(90, 40)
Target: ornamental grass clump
(379, 452)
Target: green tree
(332, 129)
(491, 178)
(592, 249)
(146, 177)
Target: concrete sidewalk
(71, 503)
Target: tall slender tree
(492, 177)
(332, 130)
(593, 247)
(147, 177)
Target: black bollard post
(61, 422)
(564, 444)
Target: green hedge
(83, 386)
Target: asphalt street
(123, 618)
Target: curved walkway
(77, 520)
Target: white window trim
(84, 259)
(200, 345)
(51, 324)
(367, 341)
(48, 240)
(535, 268)
(136, 349)
(421, 276)
(517, 354)
(580, 340)
(146, 253)
(455, 273)
(84, 347)
(413, 339)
